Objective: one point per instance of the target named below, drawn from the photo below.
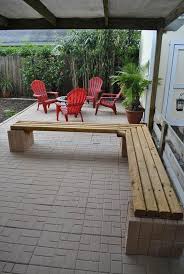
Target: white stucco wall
(146, 57)
(147, 50)
(168, 37)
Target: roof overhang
(86, 14)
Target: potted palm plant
(6, 87)
(132, 83)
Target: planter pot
(134, 117)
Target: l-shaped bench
(154, 206)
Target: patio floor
(63, 203)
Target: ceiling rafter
(92, 23)
(3, 21)
(38, 6)
(106, 11)
(174, 14)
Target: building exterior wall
(146, 58)
(147, 50)
(168, 37)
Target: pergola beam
(155, 78)
(38, 6)
(93, 23)
(174, 14)
(3, 21)
(106, 11)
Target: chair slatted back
(75, 100)
(38, 88)
(95, 85)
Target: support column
(155, 78)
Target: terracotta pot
(134, 117)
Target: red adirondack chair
(73, 104)
(94, 88)
(39, 90)
(108, 100)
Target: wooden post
(162, 139)
(123, 147)
(155, 78)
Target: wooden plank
(157, 131)
(164, 210)
(42, 10)
(172, 200)
(87, 23)
(155, 78)
(174, 175)
(82, 123)
(176, 142)
(138, 198)
(106, 11)
(70, 127)
(162, 138)
(151, 206)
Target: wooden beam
(174, 14)
(106, 11)
(3, 21)
(38, 6)
(155, 78)
(92, 23)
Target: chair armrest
(37, 96)
(53, 93)
(106, 97)
(108, 94)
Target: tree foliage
(77, 57)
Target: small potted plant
(132, 83)
(6, 87)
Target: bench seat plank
(171, 197)
(69, 127)
(138, 198)
(163, 207)
(151, 205)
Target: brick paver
(63, 203)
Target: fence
(10, 66)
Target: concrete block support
(153, 237)
(19, 140)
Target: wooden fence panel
(10, 67)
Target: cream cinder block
(169, 231)
(157, 229)
(146, 227)
(19, 140)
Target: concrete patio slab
(63, 203)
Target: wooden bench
(153, 195)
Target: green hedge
(80, 55)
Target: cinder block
(154, 248)
(19, 140)
(165, 249)
(157, 229)
(146, 227)
(169, 230)
(180, 232)
(143, 246)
